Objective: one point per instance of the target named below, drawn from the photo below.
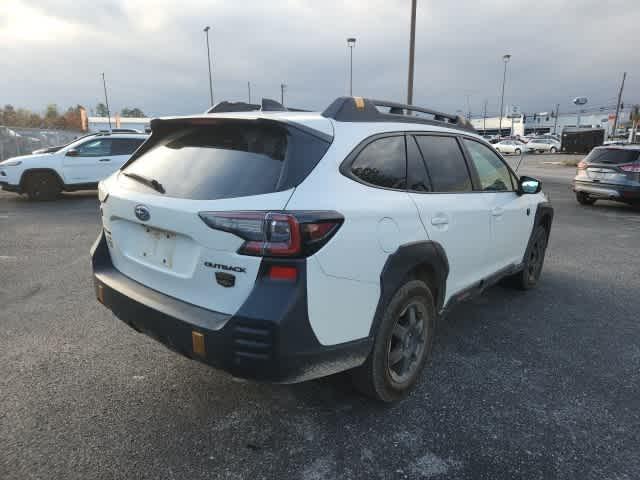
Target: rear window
(231, 159)
(612, 155)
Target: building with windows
(546, 122)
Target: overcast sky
(153, 52)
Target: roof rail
(358, 109)
(267, 105)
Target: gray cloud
(155, 57)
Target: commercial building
(546, 122)
(96, 124)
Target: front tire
(584, 199)
(518, 151)
(553, 149)
(530, 274)
(402, 345)
(42, 186)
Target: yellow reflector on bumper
(197, 339)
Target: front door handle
(105, 159)
(497, 212)
(439, 220)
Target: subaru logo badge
(142, 213)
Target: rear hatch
(611, 165)
(152, 214)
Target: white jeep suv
(80, 165)
(285, 246)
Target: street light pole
(351, 42)
(412, 50)
(484, 118)
(555, 122)
(282, 87)
(505, 59)
(206, 32)
(106, 100)
(249, 90)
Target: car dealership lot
(543, 384)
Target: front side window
(382, 163)
(125, 146)
(100, 147)
(445, 163)
(493, 173)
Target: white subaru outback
(284, 246)
(79, 165)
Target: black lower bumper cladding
(268, 339)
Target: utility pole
(555, 121)
(106, 100)
(468, 107)
(484, 118)
(412, 50)
(249, 90)
(615, 120)
(282, 87)
(206, 32)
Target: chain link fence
(16, 141)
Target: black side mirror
(529, 185)
(72, 153)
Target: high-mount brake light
(277, 234)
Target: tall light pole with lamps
(351, 42)
(206, 32)
(505, 59)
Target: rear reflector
(197, 339)
(277, 272)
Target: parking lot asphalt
(532, 385)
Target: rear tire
(530, 274)
(42, 186)
(584, 199)
(402, 345)
(553, 149)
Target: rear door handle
(497, 212)
(439, 220)
(105, 159)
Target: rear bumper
(268, 339)
(607, 191)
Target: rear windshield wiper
(149, 182)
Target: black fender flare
(40, 170)
(544, 217)
(412, 260)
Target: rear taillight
(277, 234)
(631, 167)
(582, 165)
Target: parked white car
(542, 145)
(79, 165)
(509, 146)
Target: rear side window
(229, 159)
(382, 163)
(445, 163)
(612, 155)
(125, 146)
